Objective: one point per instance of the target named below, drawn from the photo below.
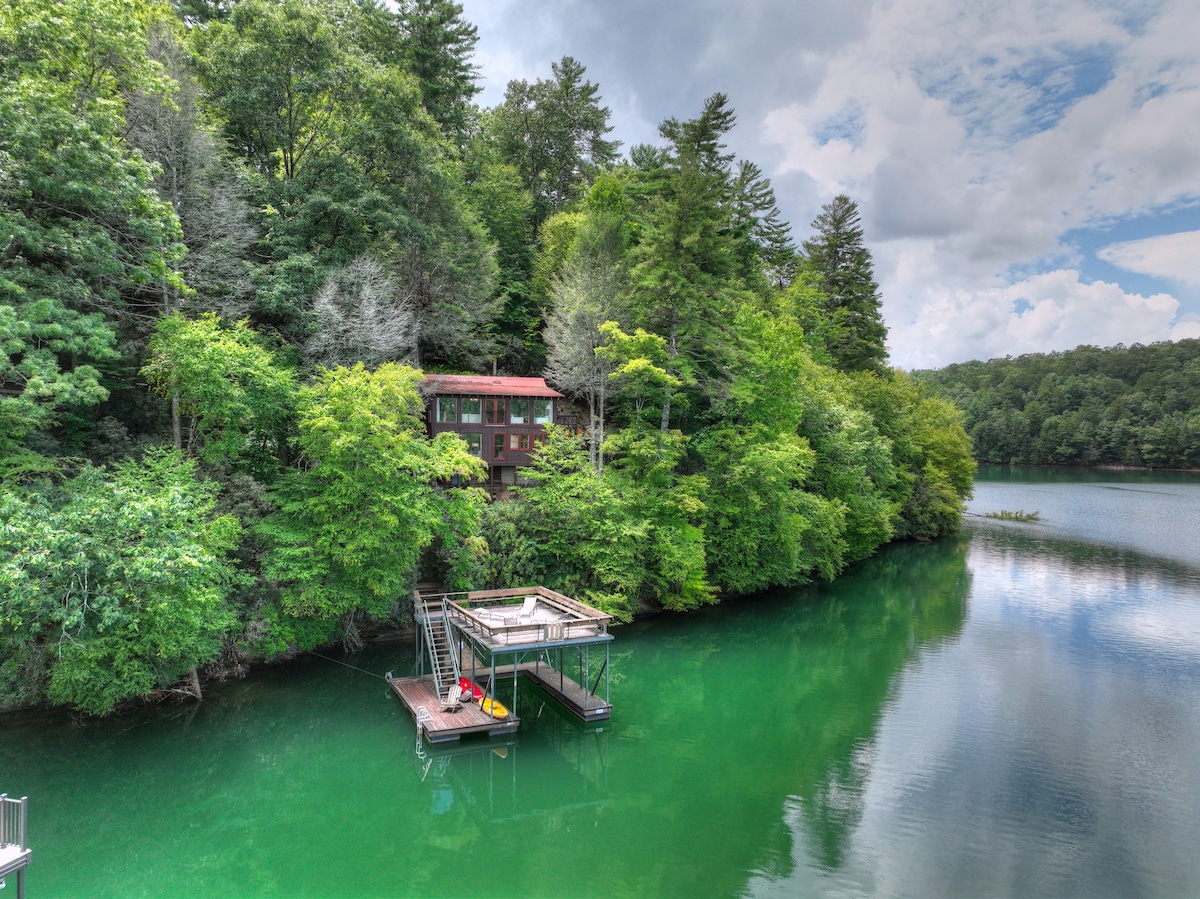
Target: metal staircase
(443, 655)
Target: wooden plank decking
(577, 699)
(418, 692)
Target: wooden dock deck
(419, 692)
(574, 697)
(569, 693)
(487, 626)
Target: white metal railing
(13, 815)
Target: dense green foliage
(113, 585)
(1136, 405)
(234, 231)
(353, 522)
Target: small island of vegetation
(234, 235)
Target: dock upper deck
(526, 618)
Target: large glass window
(498, 446)
(518, 441)
(494, 410)
(518, 411)
(471, 411)
(447, 408)
(474, 444)
(543, 412)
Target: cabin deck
(419, 692)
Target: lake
(1012, 712)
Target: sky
(1027, 171)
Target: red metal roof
(488, 385)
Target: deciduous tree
(372, 496)
(116, 584)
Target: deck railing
(581, 619)
(12, 821)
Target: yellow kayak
(493, 708)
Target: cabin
(500, 418)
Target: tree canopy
(1135, 405)
(237, 233)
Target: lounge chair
(527, 609)
(450, 703)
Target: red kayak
(470, 692)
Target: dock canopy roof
(488, 385)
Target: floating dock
(420, 697)
(492, 637)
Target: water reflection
(1154, 513)
(555, 767)
(770, 704)
(1050, 750)
(1009, 713)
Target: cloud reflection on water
(1054, 749)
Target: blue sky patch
(1089, 241)
(847, 125)
(1060, 80)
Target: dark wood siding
(516, 452)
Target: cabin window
(543, 412)
(518, 411)
(471, 411)
(518, 441)
(494, 410)
(474, 444)
(498, 446)
(447, 409)
(540, 439)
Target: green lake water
(1013, 712)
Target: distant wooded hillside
(1135, 405)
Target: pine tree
(841, 266)
(686, 274)
(439, 44)
(554, 133)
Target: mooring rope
(344, 665)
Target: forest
(1126, 405)
(235, 232)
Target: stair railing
(437, 663)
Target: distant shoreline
(1107, 466)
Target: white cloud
(978, 152)
(1173, 256)
(1049, 311)
(979, 140)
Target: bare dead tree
(362, 316)
(588, 293)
